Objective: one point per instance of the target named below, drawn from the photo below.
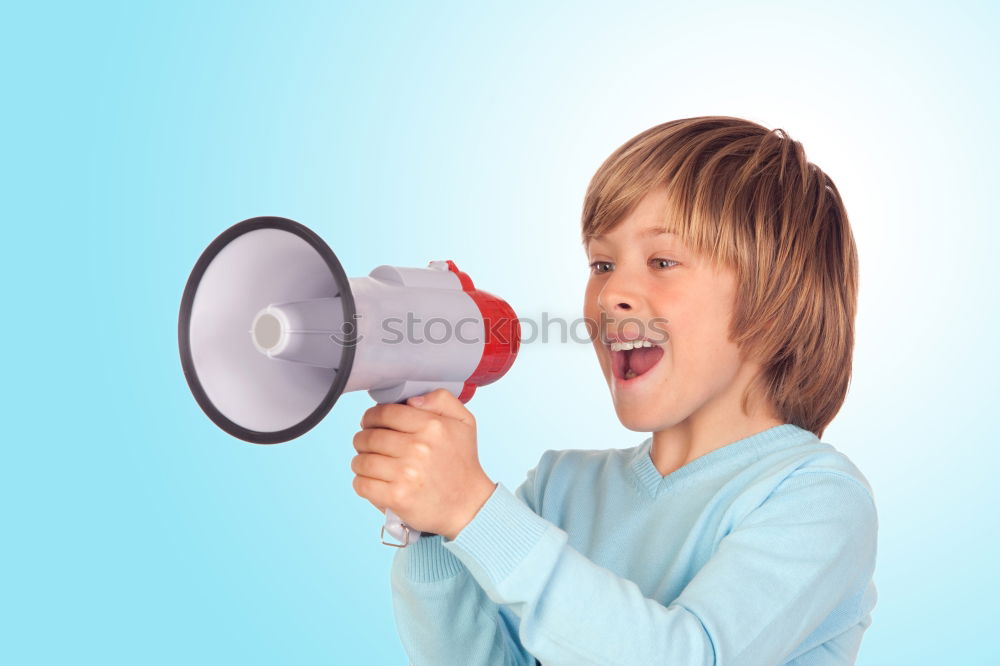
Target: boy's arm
(773, 580)
(442, 614)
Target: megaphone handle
(399, 531)
(395, 526)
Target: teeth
(629, 374)
(623, 346)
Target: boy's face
(649, 285)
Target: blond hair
(746, 198)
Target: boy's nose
(616, 297)
(616, 304)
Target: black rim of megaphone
(350, 336)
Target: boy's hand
(421, 461)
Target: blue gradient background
(135, 531)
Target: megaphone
(271, 332)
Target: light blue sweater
(761, 552)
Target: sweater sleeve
(773, 579)
(442, 614)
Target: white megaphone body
(271, 333)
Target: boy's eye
(595, 267)
(599, 267)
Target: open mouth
(634, 359)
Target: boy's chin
(641, 420)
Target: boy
(721, 303)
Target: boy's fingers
(374, 466)
(443, 403)
(402, 418)
(381, 440)
(375, 491)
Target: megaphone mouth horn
(222, 279)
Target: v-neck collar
(738, 453)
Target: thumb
(442, 402)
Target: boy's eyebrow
(650, 231)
